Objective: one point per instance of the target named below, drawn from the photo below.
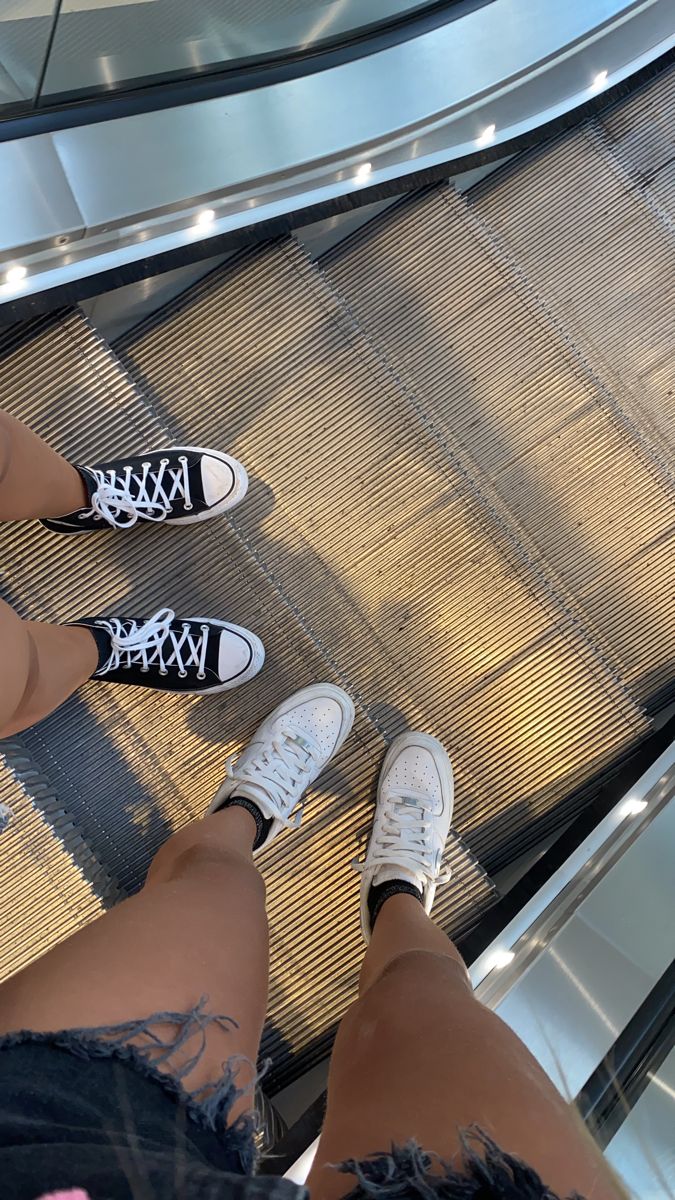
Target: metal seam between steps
(603, 143)
(601, 140)
(520, 282)
(44, 885)
(309, 273)
(457, 849)
(373, 288)
(232, 523)
(445, 618)
(69, 383)
(357, 244)
(36, 786)
(208, 527)
(200, 339)
(111, 892)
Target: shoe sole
(230, 501)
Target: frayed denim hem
(486, 1173)
(208, 1106)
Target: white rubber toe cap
(220, 478)
(224, 480)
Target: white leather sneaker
(412, 820)
(287, 753)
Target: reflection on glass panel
(105, 43)
(578, 995)
(25, 26)
(643, 1150)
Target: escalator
(459, 425)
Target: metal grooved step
(123, 767)
(45, 894)
(532, 324)
(478, 531)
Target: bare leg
(418, 1057)
(42, 664)
(197, 928)
(35, 481)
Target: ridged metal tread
(128, 766)
(534, 323)
(461, 505)
(412, 574)
(531, 321)
(50, 884)
(505, 487)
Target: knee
(418, 994)
(414, 965)
(416, 985)
(419, 978)
(193, 855)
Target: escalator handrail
(46, 114)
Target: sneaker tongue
(89, 480)
(386, 874)
(252, 791)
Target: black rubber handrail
(26, 307)
(615, 1087)
(87, 106)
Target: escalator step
(441, 607)
(459, 430)
(45, 894)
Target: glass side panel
(111, 43)
(578, 995)
(25, 27)
(643, 1150)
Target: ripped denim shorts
(87, 1114)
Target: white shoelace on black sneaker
(282, 769)
(148, 496)
(401, 837)
(154, 644)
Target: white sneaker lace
(282, 769)
(148, 496)
(154, 644)
(401, 837)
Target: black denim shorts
(89, 1111)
